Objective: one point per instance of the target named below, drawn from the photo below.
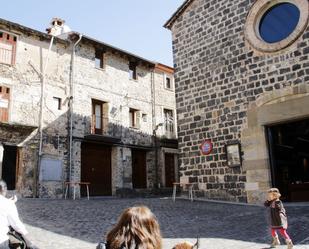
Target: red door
(139, 172)
(170, 177)
(96, 169)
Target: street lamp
(156, 152)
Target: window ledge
(169, 89)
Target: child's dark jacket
(277, 214)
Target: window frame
(136, 118)
(59, 100)
(12, 41)
(94, 130)
(99, 55)
(6, 96)
(170, 77)
(133, 75)
(169, 128)
(257, 11)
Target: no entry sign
(206, 147)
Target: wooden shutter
(4, 103)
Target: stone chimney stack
(58, 27)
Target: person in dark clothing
(278, 218)
(137, 228)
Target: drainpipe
(42, 116)
(154, 126)
(71, 107)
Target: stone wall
(110, 84)
(218, 76)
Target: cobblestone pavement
(80, 224)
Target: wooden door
(170, 177)
(96, 169)
(139, 172)
(9, 166)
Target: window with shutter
(7, 48)
(4, 103)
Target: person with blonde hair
(137, 228)
(278, 218)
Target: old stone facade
(233, 87)
(74, 109)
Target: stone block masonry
(111, 114)
(222, 84)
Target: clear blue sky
(133, 25)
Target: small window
(7, 48)
(135, 118)
(168, 82)
(99, 59)
(144, 117)
(132, 71)
(99, 117)
(169, 121)
(132, 118)
(8, 90)
(57, 103)
(0, 89)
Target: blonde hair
(184, 245)
(137, 228)
(275, 192)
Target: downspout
(71, 102)
(42, 116)
(154, 127)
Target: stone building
(242, 94)
(76, 109)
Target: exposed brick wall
(217, 76)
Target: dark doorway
(139, 172)
(96, 168)
(9, 166)
(169, 170)
(289, 153)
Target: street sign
(206, 147)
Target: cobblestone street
(80, 224)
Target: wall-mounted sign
(206, 147)
(233, 156)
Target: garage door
(96, 169)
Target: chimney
(58, 27)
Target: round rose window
(273, 25)
(279, 22)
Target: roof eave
(179, 11)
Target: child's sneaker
(289, 243)
(276, 242)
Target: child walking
(278, 218)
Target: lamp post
(156, 153)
